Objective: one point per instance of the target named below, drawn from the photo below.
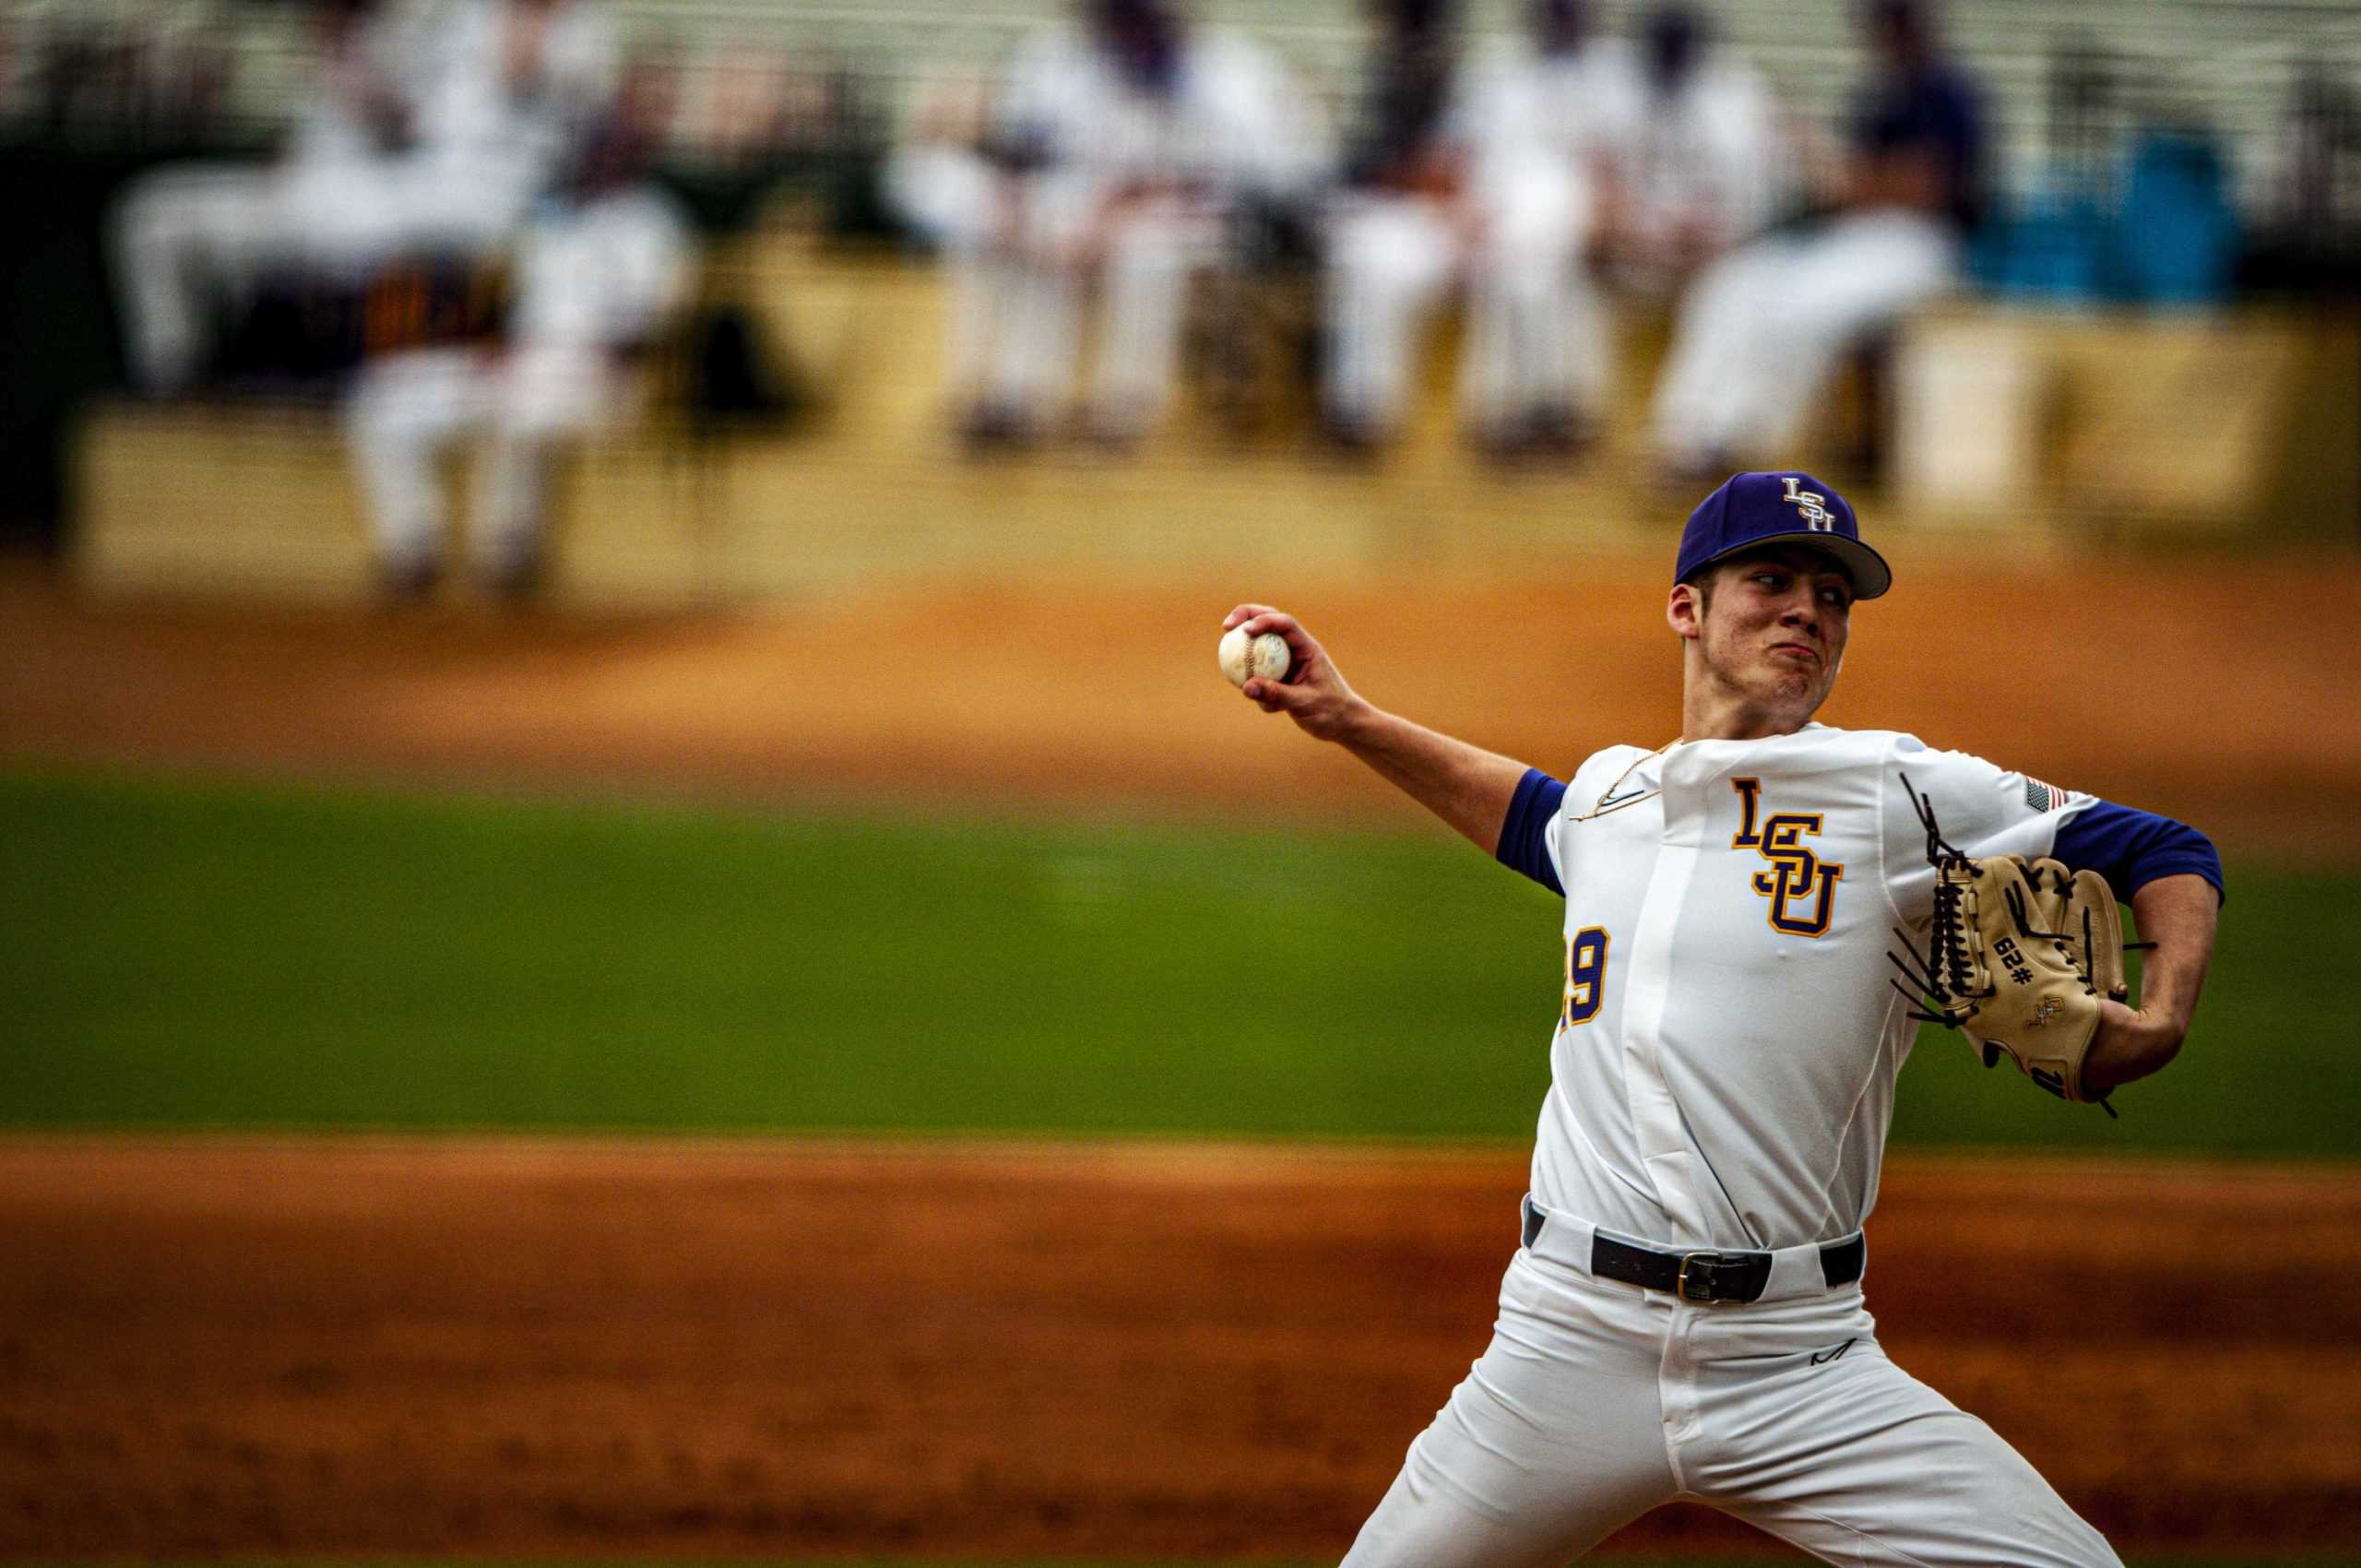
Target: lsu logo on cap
(1812, 505)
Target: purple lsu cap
(1778, 508)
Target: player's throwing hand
(1313, 693)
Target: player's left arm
(2178, 914)
(2171, 876)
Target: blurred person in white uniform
(429, 130)
(507, 91)
(1397, 224)
(948, 182)
(600, 269)
(1491, 183)
(1760, 329)
(1117, 149)
(1686, 149)
(188, 235)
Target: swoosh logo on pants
(1822, 1357)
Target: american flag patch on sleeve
(2043, 797)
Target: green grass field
(181, 954)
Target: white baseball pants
(183, 233)
(410, 411)
(1597, 1400)
(1762, 328)
(1017, 280)
(175, 237)
(956, 200)
(1536, 329)
(405, 413)
(1388, 259)
(1536, 335)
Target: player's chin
(1800, 682)
(1790, 670)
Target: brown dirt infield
(516, 1348)
(2215, 693)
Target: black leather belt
(1703, 1276)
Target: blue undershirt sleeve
(1525, 836)
(2132, 848)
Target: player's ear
(1685, 611)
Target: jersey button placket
(1657, 1126)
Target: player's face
(1773, 636)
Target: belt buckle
(1704, 1294)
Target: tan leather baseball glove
(2017, 957)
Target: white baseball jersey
(1723, 1074)
(1514, 102)
(1724, 1066)
(1233, 119)
(1704, 152)
(475, 112)
(603, 273)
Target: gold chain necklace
(1608, 794)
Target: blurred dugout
(1092, 235)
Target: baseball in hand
(1265, 658)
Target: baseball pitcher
(1757, 915)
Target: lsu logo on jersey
(1817, 518)
(1800, 886)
